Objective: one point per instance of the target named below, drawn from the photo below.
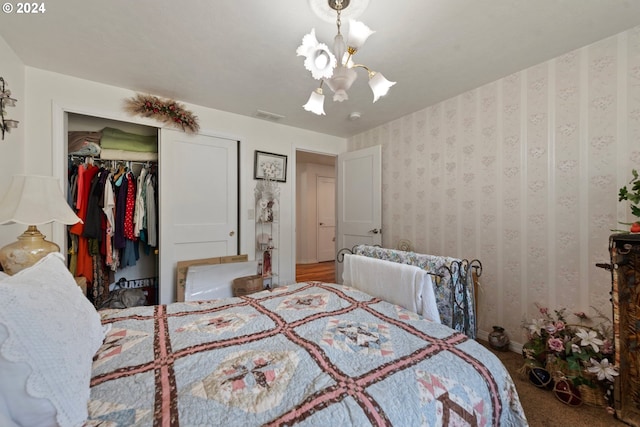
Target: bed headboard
(454, 278)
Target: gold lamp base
(26, 251)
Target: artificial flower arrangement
(632, 194)
(578, 354)
(165, 110)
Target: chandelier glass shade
(315, 104)
(336, 67)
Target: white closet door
(198, 202)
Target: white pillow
(3, 275)
(15, 402)
(49, 333)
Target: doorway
(315, 215)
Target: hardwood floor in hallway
(321, 272)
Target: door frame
(294, 198)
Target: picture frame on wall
(270, 166)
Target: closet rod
(133, 162)
(98, 159)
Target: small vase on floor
(498, 339)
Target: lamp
(337, 68)
(6, 101)
(32, 200)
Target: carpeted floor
(543, 409)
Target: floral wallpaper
(522, 174)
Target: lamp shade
(35, 200)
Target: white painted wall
(47, 91)
(12, 148)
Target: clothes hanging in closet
(84, 261)
(115, 215)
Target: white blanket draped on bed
(405, 285)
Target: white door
(326, 208)
(198, 202)
(359, 199)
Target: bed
(311, 354)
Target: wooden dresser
(625, 296)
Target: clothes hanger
(121, 170)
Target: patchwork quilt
(310, 354)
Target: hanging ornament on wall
(405, 245)
(165, 110)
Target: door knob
(375, 231)
(322, 223)
(231, 233)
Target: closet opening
(112, 184)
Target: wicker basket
(592, 396)
(247, 285)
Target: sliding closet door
(198, 201)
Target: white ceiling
(240, 56)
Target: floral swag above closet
(165, 110)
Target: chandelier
(337, 68)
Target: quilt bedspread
(311, 354)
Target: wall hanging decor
(165, 110)
(270, 166)
(405, 245)
(6, 101)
